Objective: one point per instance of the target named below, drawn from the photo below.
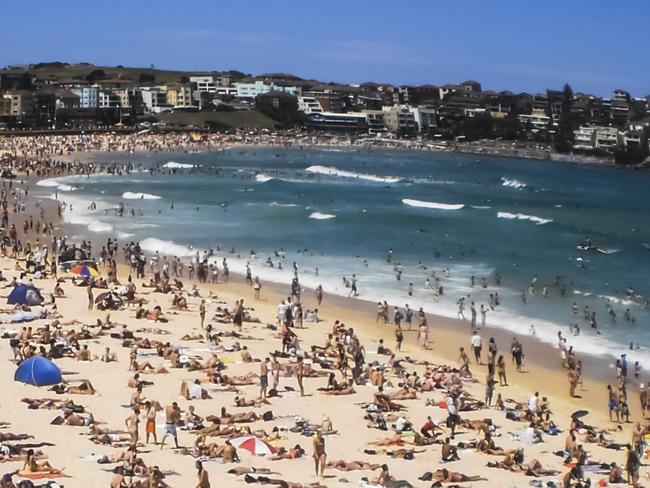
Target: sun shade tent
(25, 295)
(38, 371)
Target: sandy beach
(75, 452)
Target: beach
(350, 415)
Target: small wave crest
(512, 183)
(127, 195)
(520, 216)
(331, 171)
(100, 227)
(175, 165)
(53, 183)
(434, 205)
(321, 216)
(166, 248)
(262, 178)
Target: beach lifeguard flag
(25, 295)
(84, 270)
(38, 371)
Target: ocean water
(341, 211)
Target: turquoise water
(342, 211)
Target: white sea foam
(175, 165)
(123, 235)
(54, 183)
(166, 248)
(276, 204)
(48, 182)
(262, 178)
(434, 205)
(520, 216)
(140, 196)
(481, 207)
(321, 216)
(331, 171)
(513, 183)
(100, 227)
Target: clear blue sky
(521, 45)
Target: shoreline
(542, 359)
(446, 336)
(317, 141)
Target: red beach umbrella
(253, 444)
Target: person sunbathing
(245, 380)
(341, 389)
(74, 419)
(85, 388)
(8, 436)
(241, 470)
(449, 451)
(384, 403)
(147, 368)
(396, 440)
(51, 404)
(293, 453)
(487, 446)
(511, 462)
(241, 401)
(194, 391)
(237, 418)
(342, 465)
(404, 394)
(453, 477)
(32, 465)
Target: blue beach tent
(38, 371)
(25, 295)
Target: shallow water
(472, 214)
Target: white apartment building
(155, 100)
(425, 117)
(309, 105)
(251, 90)
(204, 84)
(597, 137)
(538, 121)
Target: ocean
(339, 213)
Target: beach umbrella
(25, 295)
(579, 414)
(38, 371)
(84, 270)
(253, 444)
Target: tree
(96, 74)
(564, 139)
(146, 78)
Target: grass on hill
(241, 119)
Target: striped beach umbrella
(84, 270)
(253, 444)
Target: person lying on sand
(239, 471)
(85, 388)
(293, 453)
(240, 401)
(453, 477)
(342, 465)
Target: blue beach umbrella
(25, 295)
(38, 371)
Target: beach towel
(42, 476)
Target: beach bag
(267, 416)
